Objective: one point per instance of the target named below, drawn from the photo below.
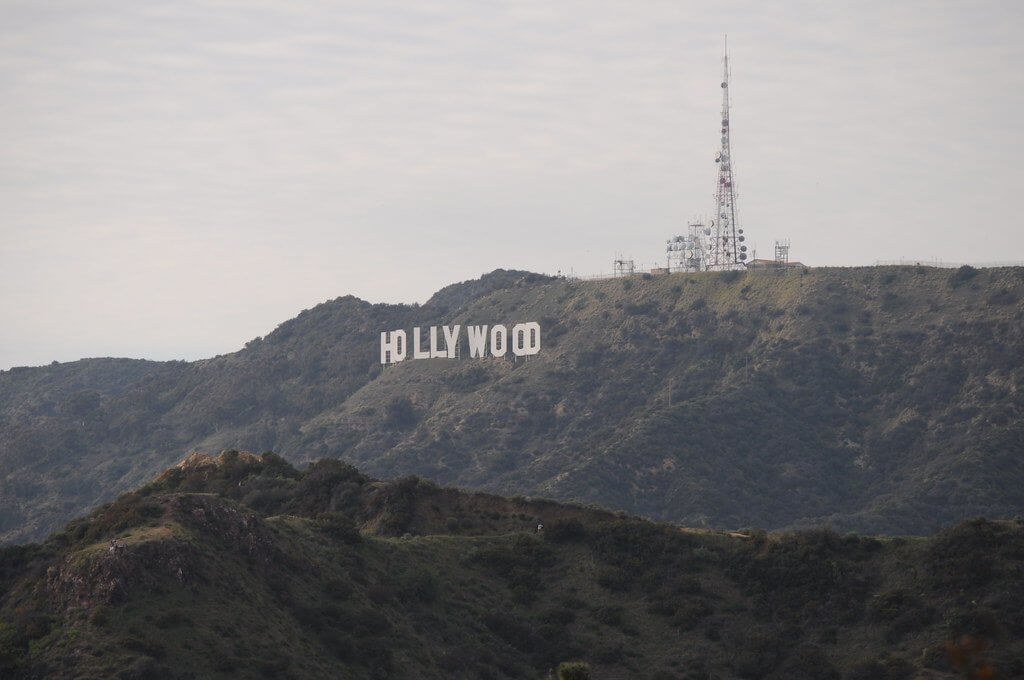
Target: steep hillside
(884, 400)
(241, 566)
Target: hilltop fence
(904, 262)
(947, 265)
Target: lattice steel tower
(725, 245)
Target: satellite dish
(742, 238)
(743, 256)
(743, 248)
(740, 230)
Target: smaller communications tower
(782, 253)
(623, 267)
(686, 253)
(725, 248)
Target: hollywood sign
(496, 341)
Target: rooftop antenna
(725, 245)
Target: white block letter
(477, 340)
(435, 353)
(526, 339)
(393, 343)
(451, 339)
(499, 341)
(417, 351)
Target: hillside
(882, 400)
(242, 566)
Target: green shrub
(610, 615)
(561, 531)
(147, 646)
(400, 413)
(890, 604)
(12, 650)
(1001, 297)
(370, 622)
(338, 643)
(616, 654)
(807, 663)
(892, 668)
(761, 653)
(662, 606)
(327, 484)
(690, 613)
(561, 616)
(416, 586)
(573, 670)
(614, 579)
(338, 589)
(648, 308)
(171, 619)
(510, 628)
(519, 563)
(338, 527)
(962, 275)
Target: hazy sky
(177, 178)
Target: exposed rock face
(213, 518)
(162, 556)
(208, 464)
(103, 575)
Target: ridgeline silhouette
(243, 566)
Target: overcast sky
(177, 178)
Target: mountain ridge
(240, 565)
(884, 399)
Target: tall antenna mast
(725, 247)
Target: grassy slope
(878, 399)
(884, 399)
(206, 585)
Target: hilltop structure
(726, 249)
(719, 244)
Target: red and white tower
(724, 243)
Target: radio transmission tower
(725, 245)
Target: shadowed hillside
(884, 400)
(241, 566)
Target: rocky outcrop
(157, 557)
(215, 519)
(104, 575)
